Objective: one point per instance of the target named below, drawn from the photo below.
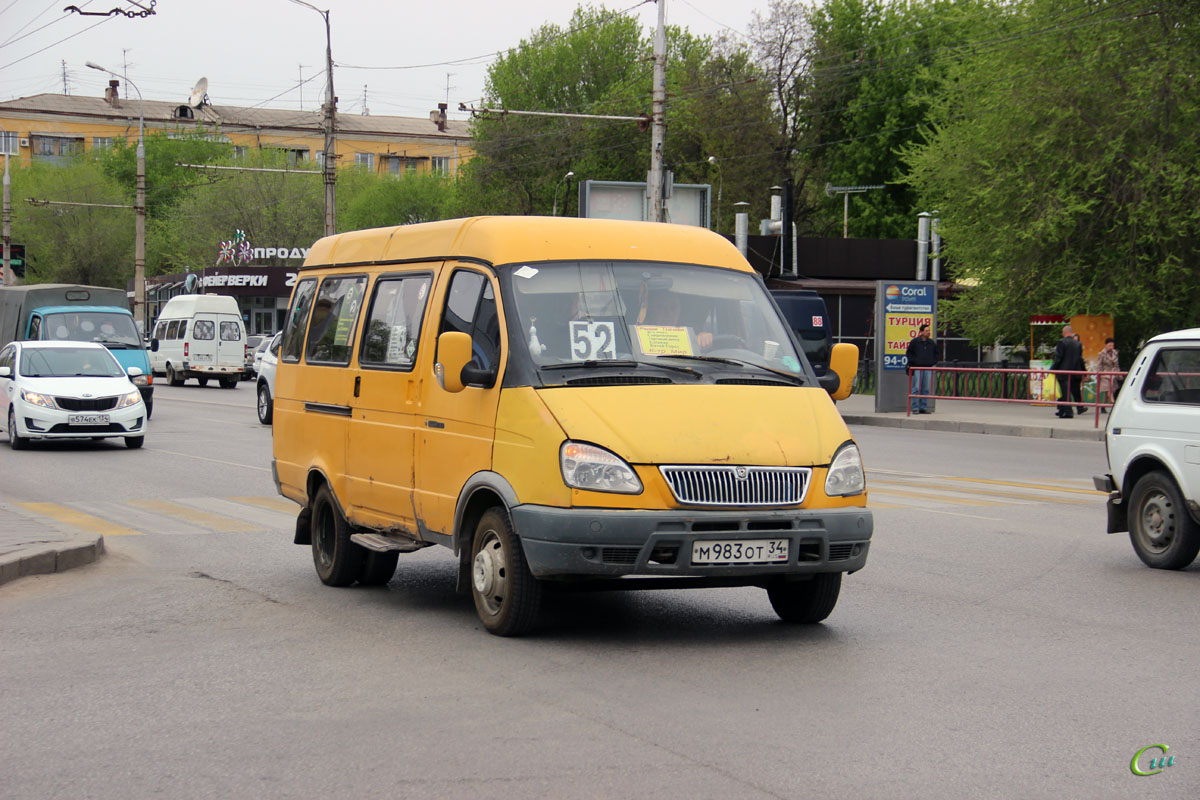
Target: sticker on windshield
(592, 340)
(525, 272)
(664, 340)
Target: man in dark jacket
(922, 352)
(1068, 355)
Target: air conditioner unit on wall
(24, 143)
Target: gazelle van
(562, 402)
(199, 336)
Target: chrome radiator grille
(737, 486)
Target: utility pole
(6, 277)
(658, 117)
(66, 86)
(301, 84)
(330, 109)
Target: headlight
(35, 399)
(846, 473)
(142, 380)
(585, 466)
(131, 399)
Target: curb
(47, 558)
(955, 426)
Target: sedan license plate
(752, 551)
(87, 419)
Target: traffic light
(16, 253)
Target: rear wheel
(507, 596)
(228, 383)
(806, 601)
(202, 381)
(378, 568)
(134, 442)
(265, 408)
(1162, 532)
(338, 560)
(15, 440)
(173, 378)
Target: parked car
(1153, 445)
(69, 390)
(267, 359)
(253, 343)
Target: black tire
(266, 407)
(507, 596)
(228, 383)
(806, 601)
(173, 378)
(134, 442)
(149, 407)
(338, 560)
(202, 381)
(1162, 532)
(15, 440)
(378, 568)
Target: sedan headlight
(35, 399)
(846, 475)
(585, 466)
(131, 399)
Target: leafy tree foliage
(166, 182)
(1064, 159)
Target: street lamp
(329, 109)
(139, 210)
(720, 185)
(568, 176)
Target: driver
(665, 308)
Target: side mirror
(454, 353)
(154, 345)
(5, 372)
(844, 363)
(478, 376)
(133, 372)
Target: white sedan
(68, 390)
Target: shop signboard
(901, 308)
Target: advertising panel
(906, 307)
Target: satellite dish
(199, 93)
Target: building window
(364, 160)
(102, 142)
(240, 151)
(8, 143)
(440, 165)
(56, 148)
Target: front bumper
(35, 422)
(603, 543)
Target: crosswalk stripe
(215, 522)
(272, 503)
(78, 519)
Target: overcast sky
(254, 52)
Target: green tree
(1064, 160)
(166, 181)
(398, 201)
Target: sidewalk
(33, 546)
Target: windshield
(106, 327)
(69, 362)
(630, 314)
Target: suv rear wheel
(1163, 534)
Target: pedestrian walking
(1107, 361)
(922, 352)
(1068, 356)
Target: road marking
(272, 503)
(213, 460)
(215, 522)
(1047, 487)
(1042, 498)
(78, 519)
(941, 498)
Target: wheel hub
(484, 572)
(1155, 521)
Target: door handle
(357, 384)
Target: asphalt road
(998, 644)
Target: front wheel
(1163, 534)
(507, 596)
(265, 406)
(15, 440)
(338, 560)
(149, 407)
(134, 442)
(806, 601)
(173, 378)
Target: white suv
(1153, 444)
(266, 380)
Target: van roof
(509, 240)
(185, 305)
(1175, 336)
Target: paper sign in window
(664, 340)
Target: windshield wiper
(738, 362)
(619, 362)
(111, 343)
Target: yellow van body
(419, 401)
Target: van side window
(160, 330)
(35, 328)
(204, 329)
(471, 309)
(1174, 377)
(331, 329)
(172, 329)
(230, 332)
(393, 328)
(297, 319)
